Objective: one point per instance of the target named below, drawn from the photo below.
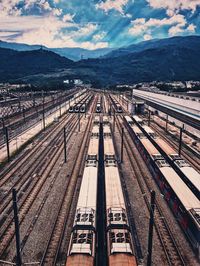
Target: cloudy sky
(95, 24)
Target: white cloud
(68, 17)
(93, 46)
(87, 29)
(9, 7)
(141, 26)
(174, 6)
(99, 36)
(147, 37)
(173, 31)
(47, 30)
(57, 11)
(108, 5)
(191, 28)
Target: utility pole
(149, 118)
(151, 223)
(65, 146)
(60, 110)
(166, 123)
(7, 143)
(33, 98)
(17, 235)
(43, 114)
(24, 116)
(122, 145)
(114, 121)
(79, 124)
(20, 102)
(180, 141)
(3, 124)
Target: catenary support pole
(7, 143)
(149, 118)
(113, 120)
(122, 146)
(17, 235)
(43, 111)
(79, 122)
(180, 141)
(65, 146)
(24, 115)
(166, 123)
(151, 223)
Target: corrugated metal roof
(114, 195)
(93, 146)
(128, 119)
(192, 175)
(188, 199)
(164, 146)
(149, 146)
(137, 118)
(88, 192)
(108, 146)
(148, 129)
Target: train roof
(88, 192)
(136, 129)
(165, 146)
(148, 130)
(93, 146)
(108, 147)
(137, 119)
(114, 195)
(185, 195)
(106, 128)
(128, 119)
(149, 146)
(95, 129)
(105, 118)
(192, 175)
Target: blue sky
(95, 24)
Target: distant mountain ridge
(74, 54)
(159, 60)
(179, 41)
(17, 64)
(168, 63)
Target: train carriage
(184, 204)
(190, 176)
(83, 237)
(119, 239)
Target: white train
(190, 176)
(119, 239)
(184, 204)
(82, 243)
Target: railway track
(166, 237)
(55, 240)
(31, 174)
(17, 119)
(55, 177)
(24, 161)
(8, 229)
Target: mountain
(19, 46)
(164, 63)
(179, 41)
(77, 54)
(166, 60)
(74, 54)
(15, 64)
